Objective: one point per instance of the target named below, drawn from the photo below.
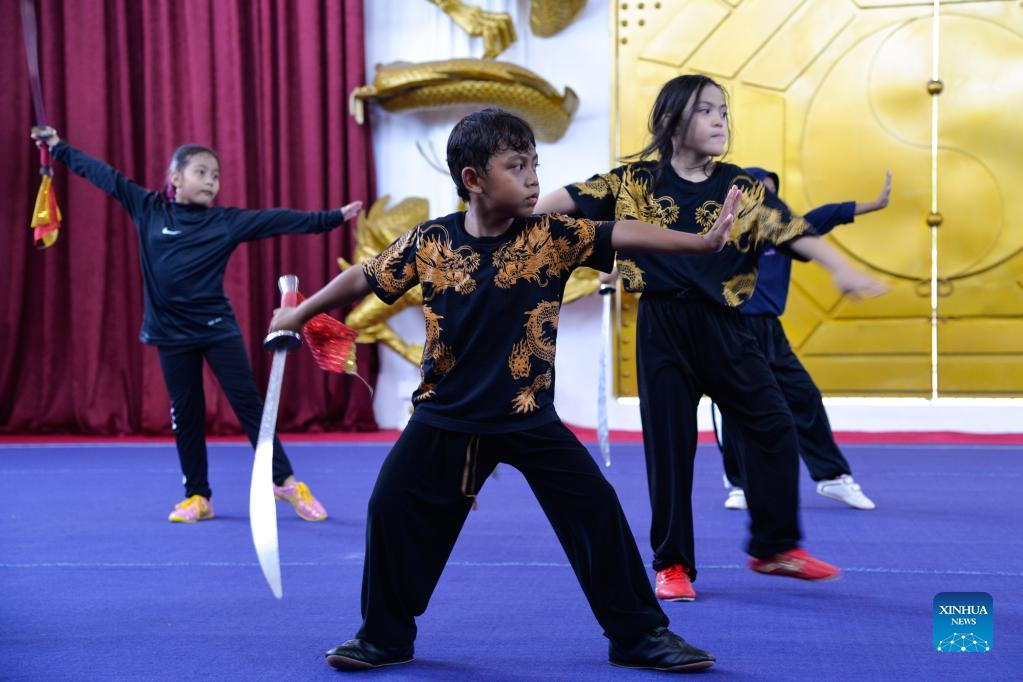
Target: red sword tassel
(331, 343)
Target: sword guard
(41, 133)
(282, 339)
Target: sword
(603, 439)
(262, 506)
(29, 29)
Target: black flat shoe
(660, 649)
(358, 654)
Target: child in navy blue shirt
(493, 279)
(828, 467)
(184, 245)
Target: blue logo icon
(963, 622)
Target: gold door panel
(829, 94)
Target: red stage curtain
(265, 83)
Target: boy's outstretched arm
(349, 286)
(558, 201)
(636, 235)
(848, 279)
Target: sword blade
(262, 506)
(29, 30)
(603, 437)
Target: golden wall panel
(868, 337)
(756, 22)
(973, 375)
(883, 376)
(829, 94)
(759, 115)
(624, 323)
(687, 27)
(926, 4)
(783, 60)
(988, 337)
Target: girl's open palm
(717, 236)
(349, 211)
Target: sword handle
(285, 339)
(288, 284)
(42, 134)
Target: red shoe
(795, 563)
(673, 584)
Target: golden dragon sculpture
(404, 86)
(546, 18)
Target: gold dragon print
(574, 252)
(382, 268)
(631, 274)
(442, 267)
(756, 224)
(525, 256)
(635, 200)
(535, 344)
(774, 229)
(706, 214)
(744, 231)
(738, 289)
(535, 256)
(599, 187)
(434, 350)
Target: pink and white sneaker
(195, 508)
(298, 495)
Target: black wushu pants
(424, 493)
(817, 444)
(182, 372)
(686, 348)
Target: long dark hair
(667, 121)
(180, 158)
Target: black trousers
(816, 441)
(418, 507)
(182, 372)
(686, 348)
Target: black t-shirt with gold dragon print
(491, 306)
(728, 277)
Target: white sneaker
(736, 498)
(845, 489)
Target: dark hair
(481, 135)
(666, 120)
(180, 158)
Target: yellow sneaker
(195, 508)
(307, 506)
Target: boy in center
(493, 279)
